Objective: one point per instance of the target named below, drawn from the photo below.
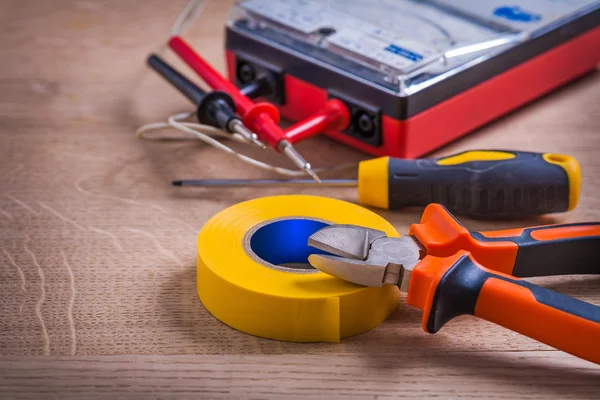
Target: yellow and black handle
(480, 183)
(447, 287)
(522, 252)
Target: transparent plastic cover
(408, 44)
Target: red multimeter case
(414, 75)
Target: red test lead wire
(262, 117)
(210, 75)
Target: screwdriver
(215, 108)
(262, 117)
(478, 183)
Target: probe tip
(297, 159)
(312, 173)
(238, 127)
(177, 183)
(257, 141)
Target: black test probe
(215, 108)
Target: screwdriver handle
(480, 184)
(445, 288)
(524, 252)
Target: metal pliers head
(365, 256)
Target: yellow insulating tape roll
(249, 294)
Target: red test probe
(262, 117)
(334, 116)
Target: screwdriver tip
(177, 183)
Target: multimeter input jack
(365, 122)
(260, 80)
(246, 73)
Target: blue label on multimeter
(521, 15)
(516, 13)
(392, 48)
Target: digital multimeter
(414, 74)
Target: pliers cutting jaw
(365, 256)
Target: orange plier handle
(446, 287)
(477, 273)
(524, 252)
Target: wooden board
(97, 251)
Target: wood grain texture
(97, 251)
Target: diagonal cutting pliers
(449, 271)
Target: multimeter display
(407, 41)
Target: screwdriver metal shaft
(230, 183)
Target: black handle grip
(457, 285)
(175, 78)
(487, 184)
(567, 249)
(214, 108)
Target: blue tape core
(286, 241)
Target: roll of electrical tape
(254, 276)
